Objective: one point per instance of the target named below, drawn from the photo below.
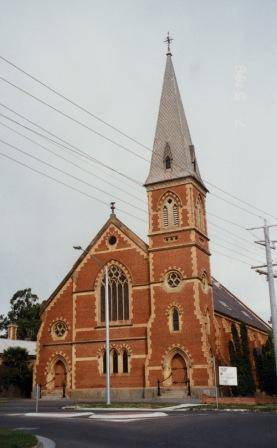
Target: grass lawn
(123, 405)
(249, 407)
(16, 439)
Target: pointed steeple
(173, 154)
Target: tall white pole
(107, 320)
(271, 287)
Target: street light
(107, 322)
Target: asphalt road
(180, 429)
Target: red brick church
(168, 316)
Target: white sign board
(228, 376)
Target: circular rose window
(112, 240)
(173, 279)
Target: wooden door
(179, 371)
(60, 374)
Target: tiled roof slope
(172, 131)
(226, 303)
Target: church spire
(173, 154)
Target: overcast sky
(109, 57)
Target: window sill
(114, 325)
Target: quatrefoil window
(173, 279)
(60, 328)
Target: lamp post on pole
(107, 322)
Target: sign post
(228, 376)
(215, 383)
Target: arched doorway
(60, 375)
(179, 371)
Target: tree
(265, 366)
(239, 353)
(25, 312)
(15, 374)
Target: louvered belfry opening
(170, 213)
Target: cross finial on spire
(168, 41)
(113, 207)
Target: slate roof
(30, 346)
(229, 305)
(172, 132)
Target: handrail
(161, 381)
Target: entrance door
(60, 374)
(179, 371)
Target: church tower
(180, 330)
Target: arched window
(175, 320)
(167, 157)
(167, 163)
(118, 295)
(125, 362)
(115, 361)
(199, 214)
(171, 212)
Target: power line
(72, 119)
(231, 258)
(238, 199)
(97, 133)
(66, 185)
(71, 163)
(83, 109)
(235, 205)
(107, 138)
(228, 241)
(92, 197)
(80, 152)
(64, 143)
(71, 175)
(227, 220)
(233, 250)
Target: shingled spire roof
(172, 137)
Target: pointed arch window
(167, 163)
(171, 212)
(167, 157)
(115, 361)
(125, 362)
(175, 320)
(199, 214)
(118, 295)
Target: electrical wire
(92, 158)
(71, 175)
(99, 134)
(71, 163)
(92, 197)
(83, 109)
(66, 185)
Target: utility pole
(270, 278)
